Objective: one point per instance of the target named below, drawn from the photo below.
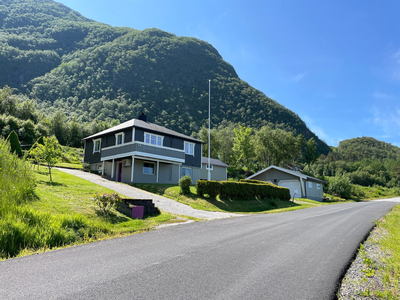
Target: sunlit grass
(62, 213)
(390, 244)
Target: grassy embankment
(390, 244)
(227, 205)
(58, 214)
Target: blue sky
(334, 63)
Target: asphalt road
(294, 255)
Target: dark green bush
(184, 184)
(242, 190)
(14, 143)
(208, 187)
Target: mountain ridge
(95, 71)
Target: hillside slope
(92, 70)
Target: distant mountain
(92, 70)
(367, 148)
(365, 160)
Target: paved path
(162, 203)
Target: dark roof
(213, 162)
(144, 125)
(295, 173)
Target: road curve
(163, 203)
(293, 255)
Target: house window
(119, 138)
(96, 145)
(186, 171)
(318, 186)
(189, 148)
(153, 139)
(148, 168)
(310, 184)
(209, 168)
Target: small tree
(14, 143)
(184, 184)
(49, 152)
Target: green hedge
(254, 181)
(242, 190)
(208, 187)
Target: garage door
(292, 185)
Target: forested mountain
(92, 71)
(365, 160)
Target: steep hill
(92, 70)
(365, 160)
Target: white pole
(209, 128)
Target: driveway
(161, 202)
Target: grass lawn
(69, 197)
(390, 244)
(69, 165)
(227, 205)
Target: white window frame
(189, 146)
(159, 139)
(211, 167)
(150, 163)
(122, 138)
(94, 145)
(318, 186)
(182, 173)
(310, 184)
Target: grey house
(303, 186)
(218, 169)
(141, 152)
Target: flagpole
(209, 128)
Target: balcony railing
(143, 150)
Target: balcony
(142, 150)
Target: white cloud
(388, 119)
(318, 131)
(298, 77)
(383, 96)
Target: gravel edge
(363, 279)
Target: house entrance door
(119, 171)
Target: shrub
(184, 184)
(14, 143)
(357, 192)
(211, 188)
(244, 190)
(340, 186)
(106, 201)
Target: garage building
(300, 185)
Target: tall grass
(17, 181)
(22, 227)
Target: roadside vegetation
(375, 273)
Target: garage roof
(298, 174)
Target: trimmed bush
(255, 181)
(242, 190)
(184, 184)
(208, 187)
